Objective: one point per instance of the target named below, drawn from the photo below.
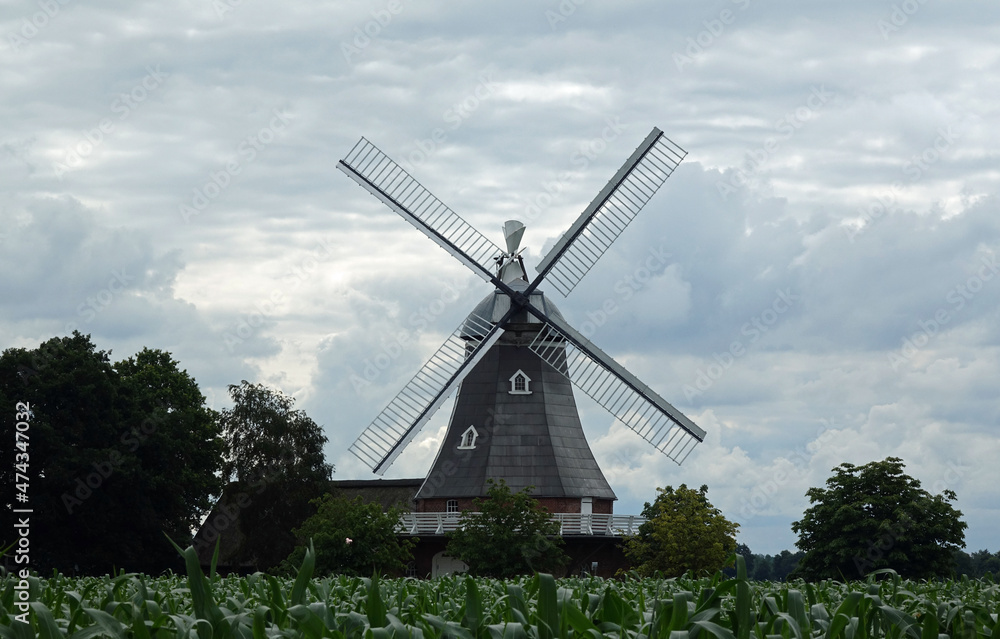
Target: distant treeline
(778, 567)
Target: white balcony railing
(570, 524)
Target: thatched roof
(224, 520)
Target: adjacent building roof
(224, 521)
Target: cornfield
(541, 607)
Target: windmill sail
(397, 424)
(610, 212)
(621, 393)
(554, 342)
(397, 189)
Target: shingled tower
(515, 419)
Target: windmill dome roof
(495, 305)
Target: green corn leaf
(796, 606)
(260, 622)
(374, 606)
(679, 619)
(548, 613)
(215, 558)
(838, 626)
(473, 619)
(930, 627)
(304, 575)
(47, 626)
(104, 624)
(306, 621)
(515, 601)
(743, 603)
(714, 629)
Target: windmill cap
(495, 305)
(512, 232)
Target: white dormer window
(469, 438)
(520, 384)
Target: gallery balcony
(571, 524)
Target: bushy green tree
(683, 532)
(118, 454)
(510, 534)
(876, 516)
(352, 538)
(275, 454)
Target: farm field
(540, 607)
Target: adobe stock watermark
(228, 513)
(915, 169)
(899, 16)
(453, 117)
(366, 33)
(956, 298)
(222, 7)
(436, 480)
(32, 25)
(704, 39)
(762, 495)
(219, 180)
(654, 263)
(784, 300)
(562, 12)
(394, 345)
(877, 548)
(123, 106)
(586, 152)
(785, 128)
(250, 321)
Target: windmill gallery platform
(592, 541)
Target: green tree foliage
(118, 454)
(275, 453)
(766, 567)
(683, 532)
(978, 564)
(352, 538)
(512, 534)
(875, 516)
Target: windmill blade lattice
(397, 189)
(610, 212)
(618, 391)
(397, 424)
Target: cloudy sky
(816, 284)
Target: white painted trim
(527, 384)
(465, 434)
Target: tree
(682, 532)
(875, 516)
(117, 455)
(352, 538)
(276, 453)
(512, 534)
(785, 563)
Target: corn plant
(208, 606)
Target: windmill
(525, 429)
